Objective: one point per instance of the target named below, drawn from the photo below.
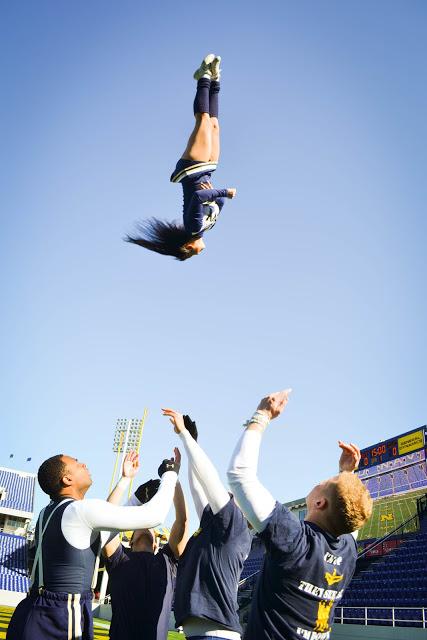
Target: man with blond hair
(308, 564)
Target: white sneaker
(204, 71)
(215, 70)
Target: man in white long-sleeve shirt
(308, 564)
(69, 534)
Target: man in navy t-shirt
(142, 580)
(309, 564)
(210, 568)
(141, 586)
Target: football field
(389, 513)
(100, 626)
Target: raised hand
(231, 193)
(171, 464)
(130, 465)
(191, 427)
(273, 404)
(177, 457)
(176, 418)
(350, 456)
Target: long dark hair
(163, 237)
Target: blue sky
(314, 277)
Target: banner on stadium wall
(385, 547)
(411, 442)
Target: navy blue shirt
(201, 206)
(210, 568)
(305, 573)
(141, 587)
(65, 568)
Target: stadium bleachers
(251, 566)
(255, 560)
(13, 563)
(398, 579)
(385, 485)
(19, 490)
(396, 479)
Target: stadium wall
(11, 598)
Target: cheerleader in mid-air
(202, 203)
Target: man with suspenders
(70, 532)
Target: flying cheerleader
(202, 203)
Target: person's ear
(321, 503)
(66, 480)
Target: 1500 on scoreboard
(393, 448)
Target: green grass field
(389, 513)
(100, 626)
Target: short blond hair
(350, 501)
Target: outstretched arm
(193, 216)
(100, 515)
(199, 496)
(129, 471)
(203, 468)
(179, 532)
(208, 195)
(252, 497)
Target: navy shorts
(185, 168)
(57, 616)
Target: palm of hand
(350, 456)
(347, 462)
(129, 469)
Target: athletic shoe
(215, 70)
(204, 71)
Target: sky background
(314, 276)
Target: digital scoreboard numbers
(393, 448)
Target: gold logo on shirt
(323, 613)
(196, 533)
(333, 578)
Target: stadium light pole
(127, 437)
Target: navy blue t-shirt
(141, 586)
(305, 573)
(201, 206)
(210, 568)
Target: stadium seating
(13, 563)
(19, 490)
(398, 579)
(385, 485)
(400, 480)
(394, 479)
(417, 475)
(251, 566)
(254, 561)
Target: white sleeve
(205, 473)
(100, 515)
(254, 500)
(133, 501)
(199, 497)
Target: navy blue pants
(52, 616)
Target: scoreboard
(393, 448)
